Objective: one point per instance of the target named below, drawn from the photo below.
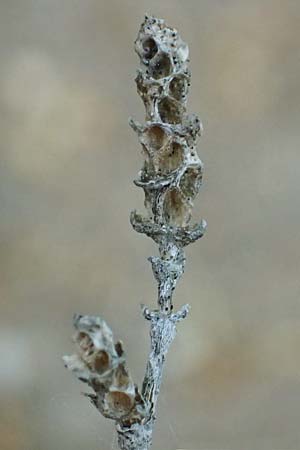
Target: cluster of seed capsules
(172, 172)
(100, 363)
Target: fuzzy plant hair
(171, 177)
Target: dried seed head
(170, 134)
(100, 363)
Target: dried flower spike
(171, 177)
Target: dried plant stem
(170, 177)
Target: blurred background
(68, 158)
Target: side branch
(101, 364)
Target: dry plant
(170, 177)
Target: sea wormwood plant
(170, 177)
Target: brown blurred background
(68, 158)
